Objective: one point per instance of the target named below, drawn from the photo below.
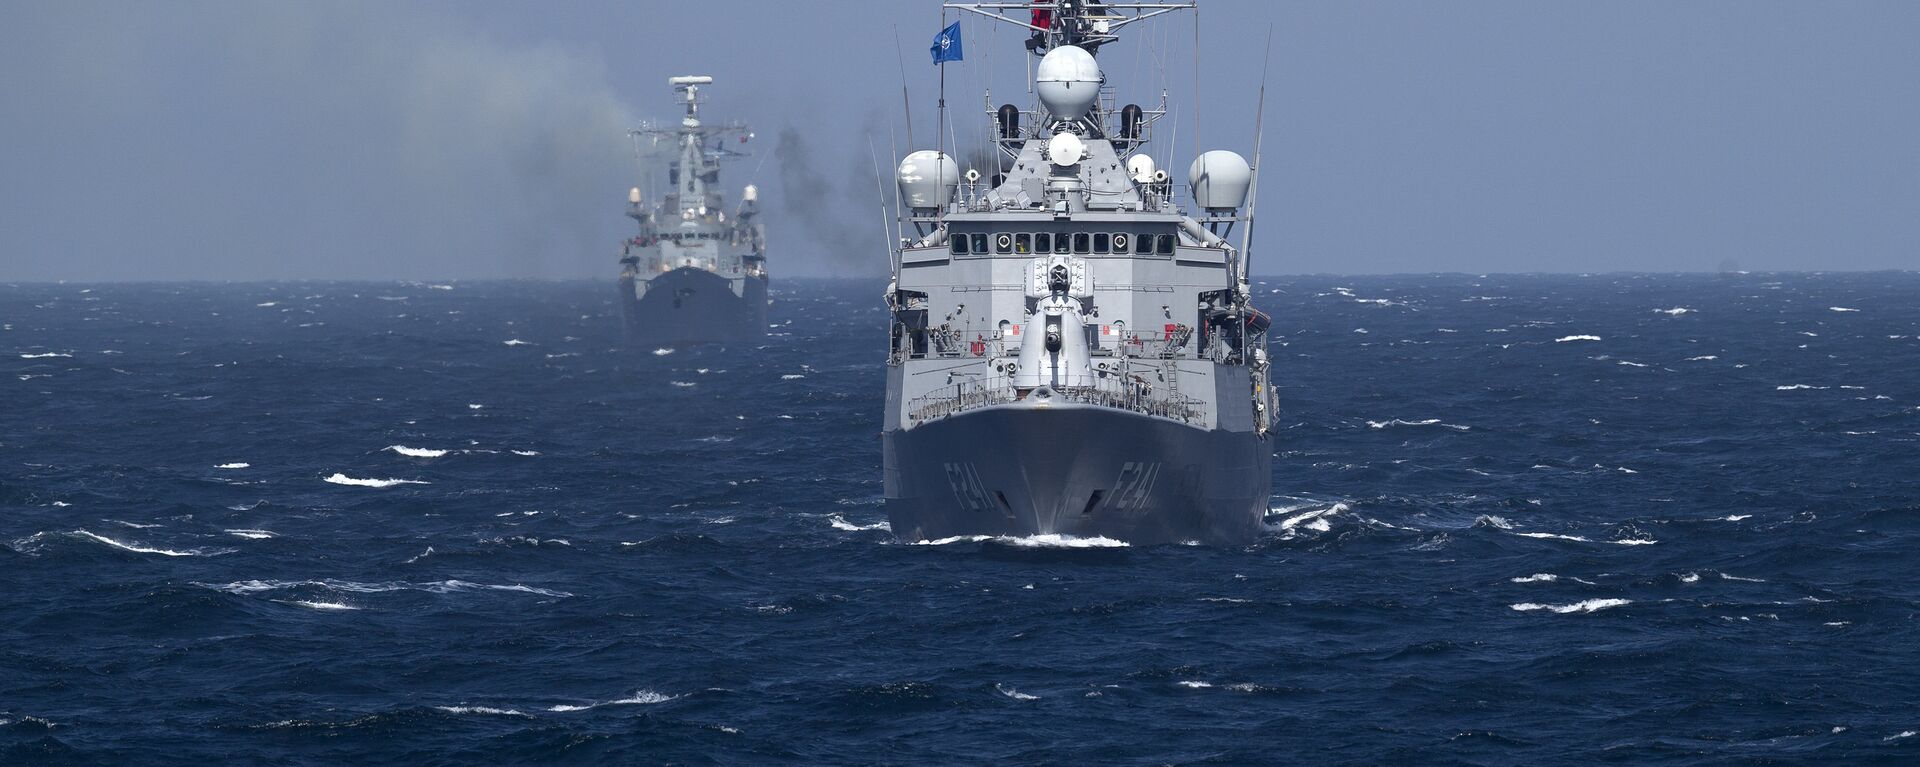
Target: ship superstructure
(693, 273)
(1071, 352)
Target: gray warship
(1071, 353)
(693, 274)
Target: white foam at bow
(342, 479)
(1587, 606)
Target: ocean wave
(1535, 578)
(639, 698)
(1555, 536)
(1427, 422)
(840, 523)
(486, 710)
(252, 533)
(234, 466)
(43, 355)
(1674, 312)
(318, 605)
(88, 535)
(342, 479)
(516, 342)
(1585, 606)
(354, 587)
(1316, 520)
(1564, 339)
(1841, 309)
(417, 452)
(1013, 693)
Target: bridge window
(1163, 244)
(1003, 243)
(1100, 242)
(1043, 242)
(1082, 243)
(1120, 243)
(979, 243)
(1023, 243)
(958, 244)
(1060, 244)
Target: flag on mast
(946, 47)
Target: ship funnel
(927, 178)
(1068, 82)
(1140, 168)
(1220, 179)
(633, 195)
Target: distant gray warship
(1072, 354)
(693, 275)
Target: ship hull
(689, 306)
(1077, 470)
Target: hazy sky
(441, 140)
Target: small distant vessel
(693, 274)
(1072, 353)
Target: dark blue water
(1524, 520)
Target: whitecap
(1634, 364)
(662, 352)
(516, 342)
(1013, 693)
(136, 548)
(43, 356)
(1674, 312)
(252, 533)
(135, 525)
(791, 377)
(1797, 387)
(840, 523)
(1493, 521)
(1689, 577)
(1194, 684)
(1556, 536)
(1564, 339)
(1311, 520)
(480, 710)
(1703, 357)
(342, 479)
(1841, 309)
(471, 406)
(321, 605)
(953, 539)
(234, 466)
(1903, 733)
(525, 452)
(1735, 517)
(1635, 542)
(640, 698)
(265, 304)
(1587, 606)
(1726, 577)
(684, 384)
(1535, 578)
(417, 452)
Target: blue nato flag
(946, 47)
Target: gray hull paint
(1020, 470)
(694, 306)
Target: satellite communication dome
(1065, 149)
(1068, 81)
(633, 195)
(1220, 179)
(1140, 169)
(927, 178)
(751, 193)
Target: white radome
(751, 193)
(1220, 179)
(633, 195)
(927, 178)
(1068, 82)
(1140, 168)
(1065, 149)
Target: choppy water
(1525, 520)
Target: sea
(1519, 520)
